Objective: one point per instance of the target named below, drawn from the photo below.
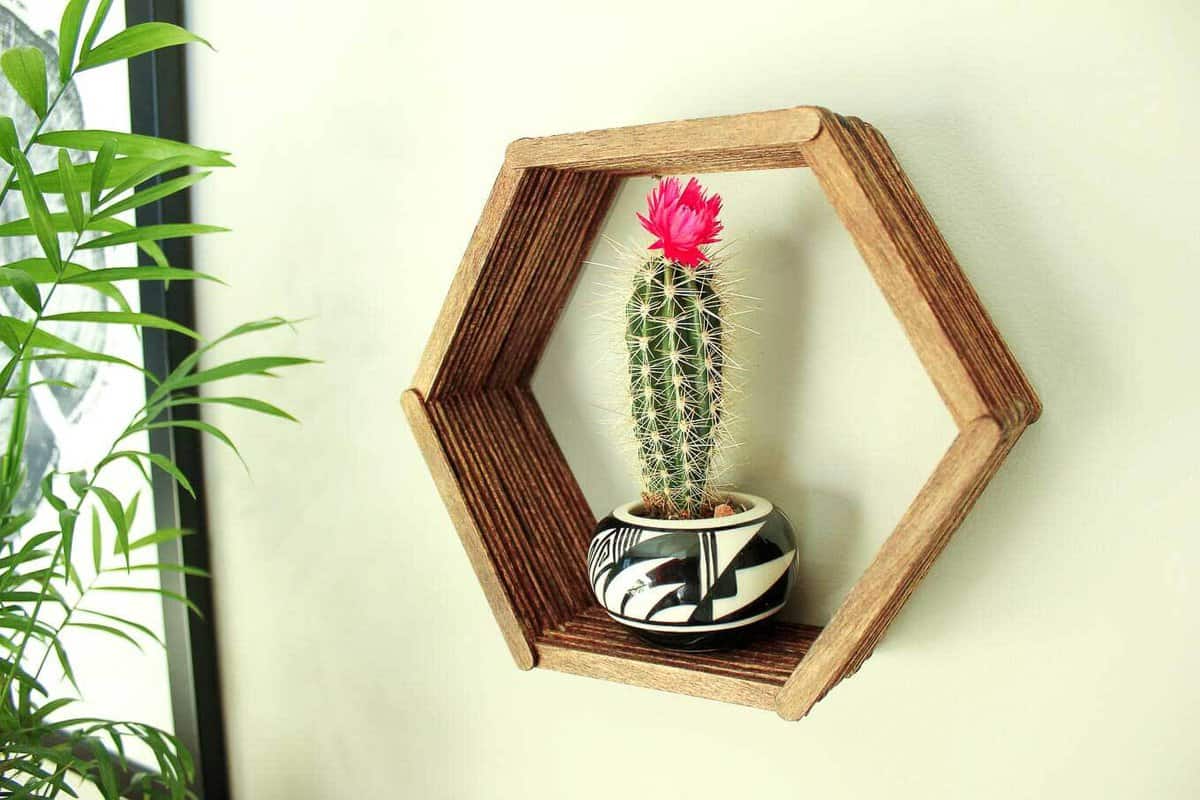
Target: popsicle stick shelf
(511, 495)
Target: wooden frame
(511, 495)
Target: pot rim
(757, 508)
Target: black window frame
(158, 107)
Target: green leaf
(66, 520)
(25, 286)
(68, 37)
(110, 274)
(182, 569)
(100, 171)
(80, 354)
(152, 233)
(255, 326)
(185, 757)
(97, 538)
(8, 139)
(25, 556)
(249, 403)
(161, 535)
(14, 524)
(142, 629)
(24, 227)
(54, 705)
(37, 540)
(121, 169)
(48, 493)
(154, 193)
(135, 144)
(152, 590)
(260, 365)
(48, 382)
(79, 482)
(111, 631)
(25, 68)
(33, 768)
(19, 622)
(131, 510)
(66, 175)
(112, 731)
(11, 596)
(116, 513)
(245, 328)
(40, 271)
(41, 574)
(196, 425)
(62, 223)
(64, 662)
(94, 29)
(103, 759)
(112, 505)
(11, 465)
(151, 169)
(35, 204)
(122, 318)
(13, 472)
(135, 40)
(9, 336)
(158, 460)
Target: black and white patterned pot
(703, 584)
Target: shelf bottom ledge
(592, 645)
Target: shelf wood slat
(760, 140)
(485, 566)
(906, 556)
(592, 644)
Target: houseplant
(690, 565)
(51, 572)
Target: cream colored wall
(1052, 651)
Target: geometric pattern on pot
(522, 519)
(708, 580)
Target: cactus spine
(674, 339)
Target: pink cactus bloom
(682, 221)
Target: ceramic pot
(697, 584)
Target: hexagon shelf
(521, 516)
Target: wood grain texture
(761, 140)
(592, 644)
(466, 278)
(485, 565)
(928, 292)
(906, 556)
(536, 528)
(522, 517)
(976, 375)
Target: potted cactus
(690, 565)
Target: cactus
(674, 339)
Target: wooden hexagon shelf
(521, 516)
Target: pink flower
(682, 221)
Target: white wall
(1052, 651)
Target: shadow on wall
(1053, 336)
(829, 524)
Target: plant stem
(62, 626)
(4, 190)
(37, 607)
(8, 182)
(12, 173)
